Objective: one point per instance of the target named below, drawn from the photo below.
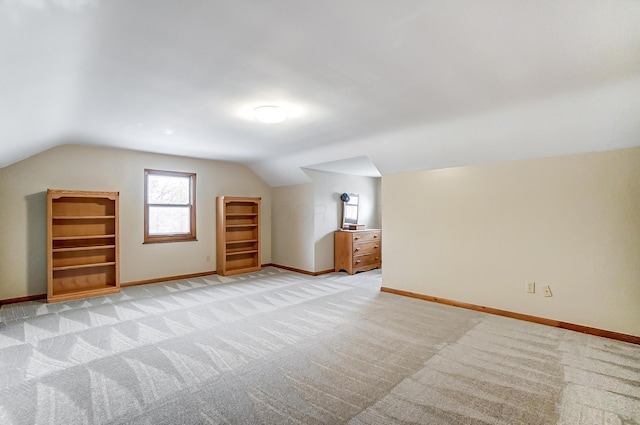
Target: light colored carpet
(283, 348)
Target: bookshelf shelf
(82, 244)
(238, 235)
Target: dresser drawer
(366, 261)
(366, 248)
(366, 236)
(357, 251)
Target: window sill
(167, 240)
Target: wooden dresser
(357, 250)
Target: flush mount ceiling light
(270, 114)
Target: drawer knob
(376, 246)
(356, 238)
(357, 249)
(357, 261)
(375, 236)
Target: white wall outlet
(208, 258)
(547, 291)
(531, 287)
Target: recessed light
(270, 114)
(168, 131)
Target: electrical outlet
(547, 291)
(531, 287)
(208, 258)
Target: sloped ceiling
(409, 84)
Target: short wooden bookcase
(238, 235)
(82, 244)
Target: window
(169, 206)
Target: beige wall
(292, 226)
(478, 234)
(23, 212)
(327, 206)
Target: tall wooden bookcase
(238, 235)
(82, 244)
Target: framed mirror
(349, 209)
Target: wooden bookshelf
(238, 235)
(82, 244)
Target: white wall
(306, 215)
(478, 234)
(327, 188)
(23, 188)
(292, 226)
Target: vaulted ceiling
(409, 85)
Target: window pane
(169, 220)
(167, 189)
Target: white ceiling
(409, 84)
(357, 166)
